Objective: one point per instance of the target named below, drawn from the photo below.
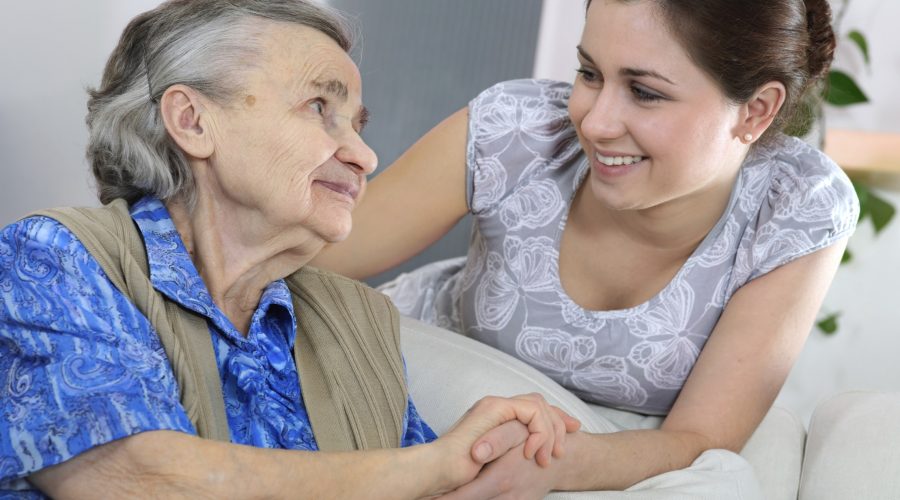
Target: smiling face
(654, 126)
(288, 148)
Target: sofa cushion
(776, 452)
(448, 372)
(853, 448)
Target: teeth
(618, 160)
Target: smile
(612, 161)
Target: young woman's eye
(643, 95)
(589, 76)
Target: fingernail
(483, 451)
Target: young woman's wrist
(574, 469)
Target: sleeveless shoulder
(350, 361)
(803, 202)
(516, 129)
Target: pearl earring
(748, 138)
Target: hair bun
(820, 51)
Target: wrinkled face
(288, 147)
(654, 126)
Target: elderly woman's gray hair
(203, 44)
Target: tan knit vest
(347, 348)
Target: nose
(354, 151)
(603, 120)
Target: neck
(675, 227)
(236, 253)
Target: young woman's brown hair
(743, 45)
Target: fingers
(540, 426)
(570, 424)
(511, 476)
(478, 489)
(493, 481)
(498, 441)
(545, 446)
(547, 428)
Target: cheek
(580, 103)
(293, 161)
(689, 134)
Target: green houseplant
(840, 89)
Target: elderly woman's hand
(547, 426)
(495, 425)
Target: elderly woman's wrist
(433, 468)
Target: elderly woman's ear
(187, 120)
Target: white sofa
(852, 449)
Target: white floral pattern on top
(524, 167)
(525, 267)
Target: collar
(174, 275)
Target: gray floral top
(524, 166)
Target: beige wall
(51, 51)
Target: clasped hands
(505, 446)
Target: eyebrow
(632, 72)
(338, 89)
(364, 116)
(334, 88)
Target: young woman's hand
(493, 426)
(547, 426)
(510, 476)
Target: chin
(611, 198)
(336, 233)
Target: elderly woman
(166, 344)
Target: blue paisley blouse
(80, 366)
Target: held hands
(534, 430)
(547, 428)
(510, 476)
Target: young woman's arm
(730, 389)
(409, 206)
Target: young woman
(645, 236)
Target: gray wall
(421, 60)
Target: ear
(759, 112)
(186, 120)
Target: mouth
(346, 189)
(618, 160)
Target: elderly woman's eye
(318, 105)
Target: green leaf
(874, 207)
(842, 90)
(847, 257)
(862, 192)
(829, 325)
(860, 40)
(880, 211)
